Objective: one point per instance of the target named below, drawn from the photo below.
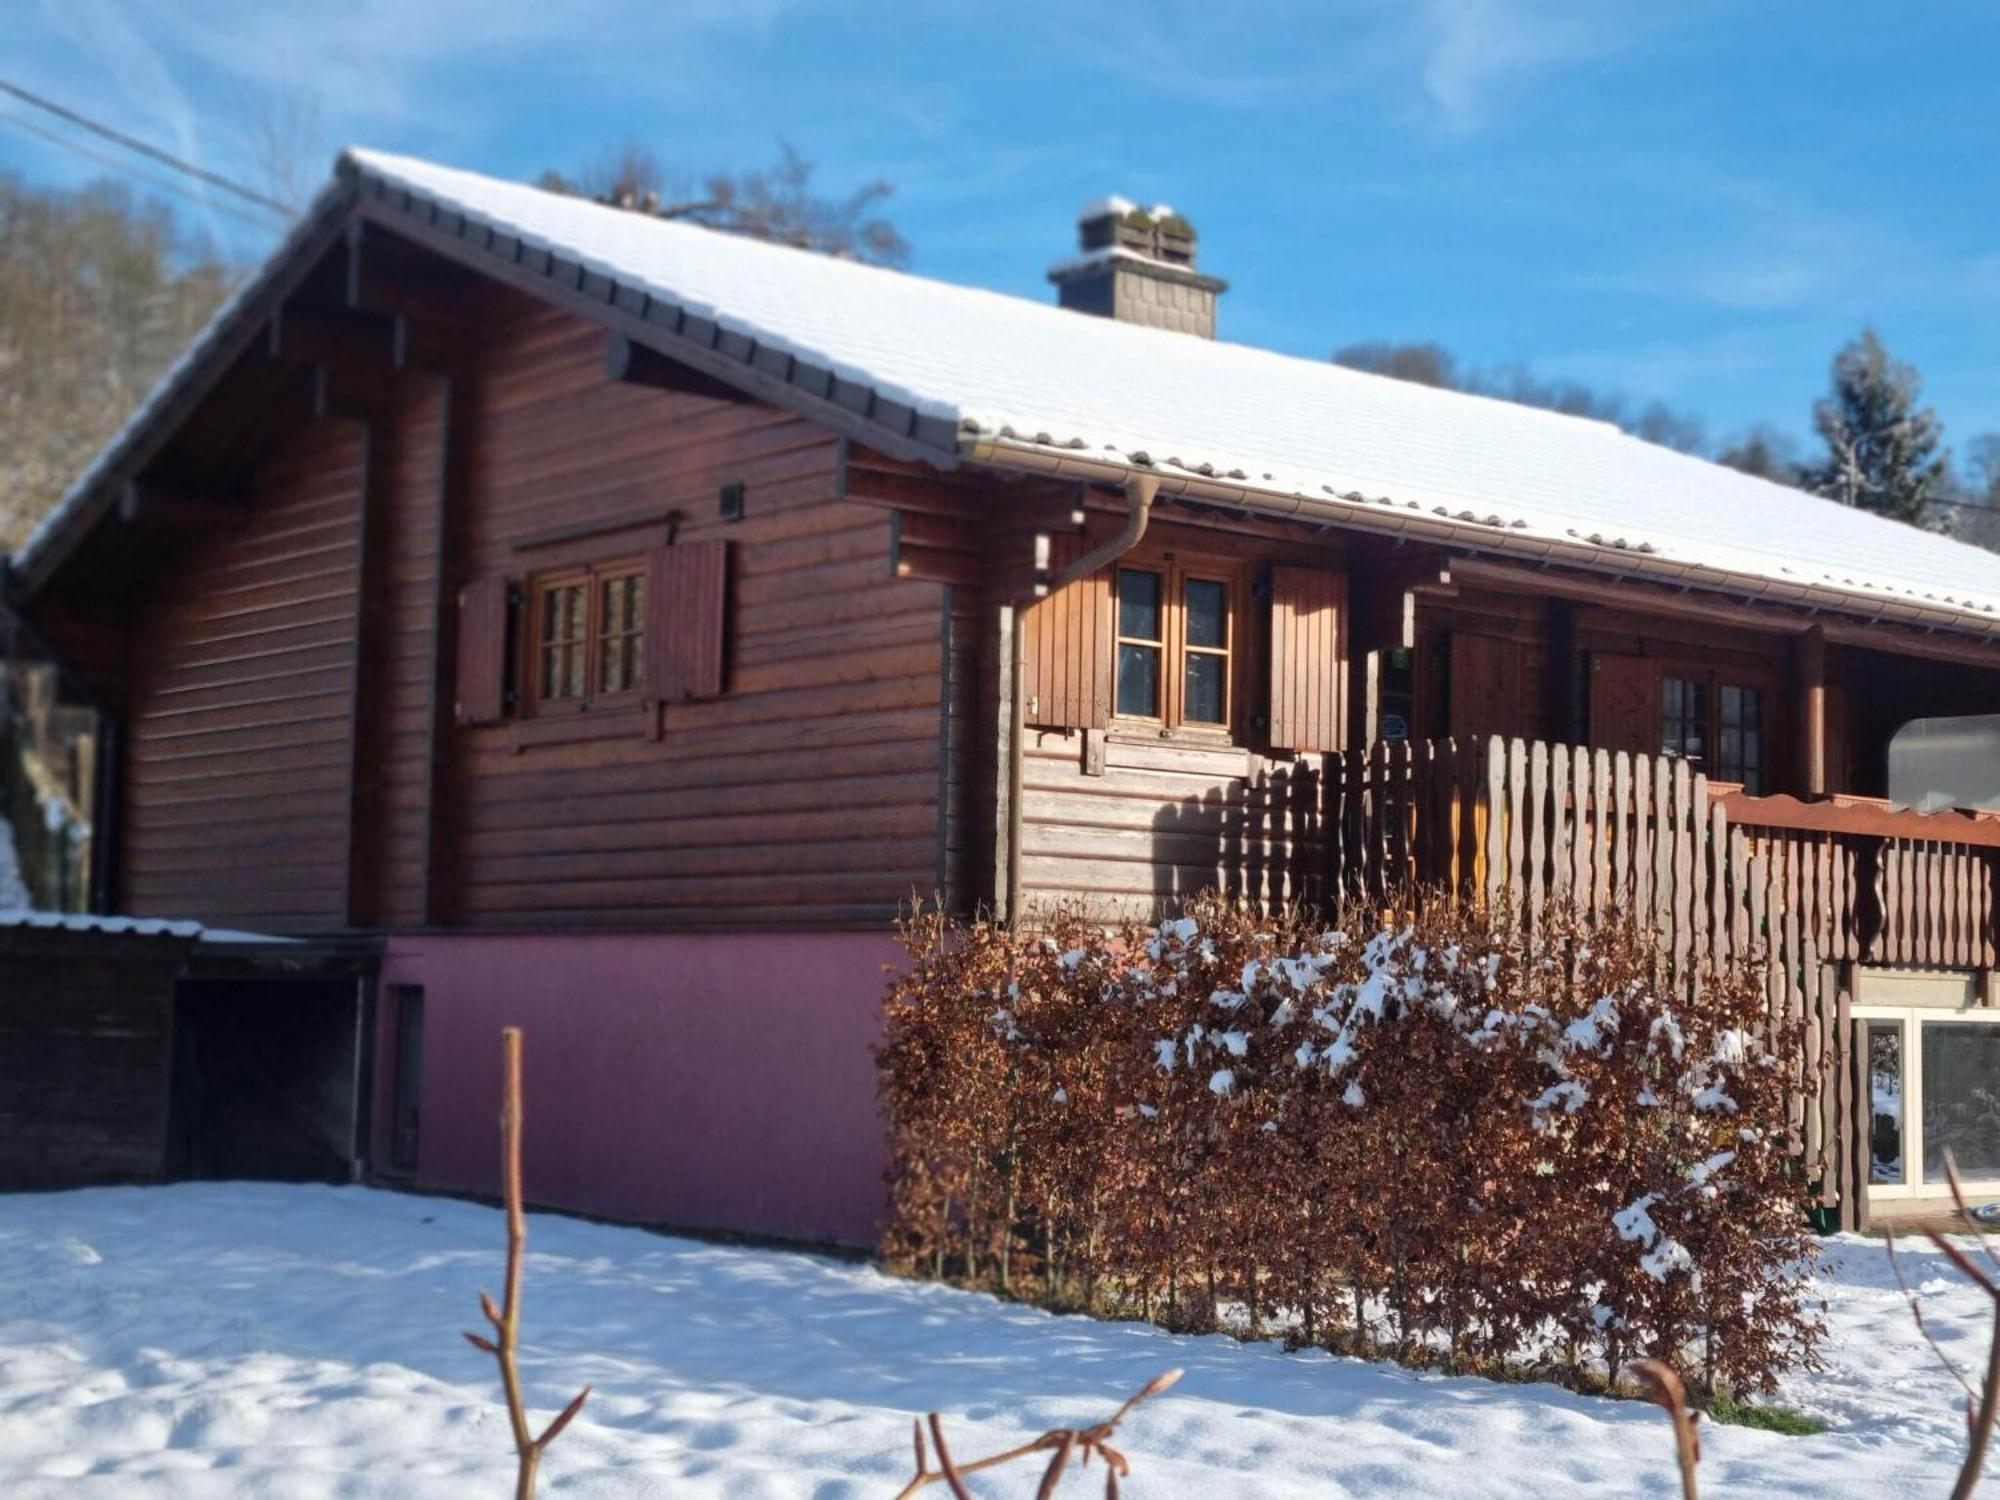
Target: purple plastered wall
(702, 1081)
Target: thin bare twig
(1917, 1316)
(1062, 1443)
(506, 1319)
(1661, 1386)
(1980, 1413)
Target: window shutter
(1624, 703)
(480, 686)
(1488, 686)
(687, 621)
(1066, 646)
(1308, 659)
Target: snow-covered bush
(1437, 1135)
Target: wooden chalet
(610, 624)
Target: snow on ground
(232, 1340)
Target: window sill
(570, 726)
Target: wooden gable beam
(307, 336)
(157, 504)
(390, 276)
(636, 364)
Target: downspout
(1139, 492)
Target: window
(587, 637)
(1684, 719)
(1739, 743)
(1718, 728)
(1933, 1083)
(1175, 635)
(621, 632)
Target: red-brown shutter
(1308, 659)
(480, 682)
(1488, 686)
(1624, 703)
(687, 621)
(1066, 646)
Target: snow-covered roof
(19, 918)
(1003, 380)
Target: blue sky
(1695, 202)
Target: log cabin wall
(293, 764)
(240, 681)
(1123, 820)
(808, 792)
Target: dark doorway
(407, 1087)
(266, 1079)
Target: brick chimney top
(1138, 265)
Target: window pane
(1207, 613)
(1203, 701)
(1732, 707)
(1961, 1098)
(1139, 604)
(1885, 1091)
(1139, 681)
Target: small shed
(136, 1050)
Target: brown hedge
(1436, 1139)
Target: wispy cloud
(1470, 53)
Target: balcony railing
(1516, 823)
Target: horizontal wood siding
(1163, 823)
(808, 792)
(236, 766)
(85, 1057)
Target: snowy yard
(235, 1340)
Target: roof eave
(1387, 516)
(228, 335)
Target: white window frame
(1911, 1019)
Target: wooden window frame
(592, 577)
(1171, 723)
(1713, 679)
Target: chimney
(1137, 265)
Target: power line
(132, 143)
(165, 184)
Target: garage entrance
(268, 1079)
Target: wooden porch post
(1809, 683)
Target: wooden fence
(1804, 889)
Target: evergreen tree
(1884, 451)
(1763, 451)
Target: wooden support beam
(636, 364)
(141, 500)
(388, 275)
(353, 340)
(1809, 697)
